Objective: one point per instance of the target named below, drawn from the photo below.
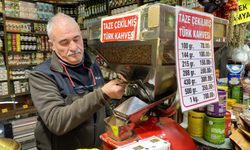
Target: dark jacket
(66, 120)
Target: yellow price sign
(25, 106)
(115, 130)
(243, 13)
(4, 110)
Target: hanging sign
(195, 59)
(243, 13)
(120, 28)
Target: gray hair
(53, 22)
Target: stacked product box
(44, 11)
(3, 88)
(21, 86)
(27, 10)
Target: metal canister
(230, 103)
(195, 123)
(214, 129)
(218, 109)
(227, 124)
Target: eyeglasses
(81, 89)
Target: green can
(214, 129)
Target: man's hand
(114, 89)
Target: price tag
(115, 130)
(195, 59)
(25, 106)
(4, 110)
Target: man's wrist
(105, 96)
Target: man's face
(67, 42)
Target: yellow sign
(5, 110)
(243, 13)
(25, 106)
(115, 130)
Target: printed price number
(190, 90)
(204, 53)
(187, 73)
(189, 81)
(186, 46)
(187, 64)
(205, 45)
(208, 95)
(187, 55)
(206, 78)
(207, 87)
(194, 99)
(205, 70)
(205, 62)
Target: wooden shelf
(23, 52)
(28, 52)
(33, 33)
(18, 79)
(111, 8)
(12, 114)
(40, 33)
(4, 96)
(21, 94)
(25, 19)
(19, 32)
(96, 15)
(22, 66)
(3, 80)
(43, 1)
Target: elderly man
(69, 91)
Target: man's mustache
(72, 53)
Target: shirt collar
(56, 63)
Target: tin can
(214, 129)
(230, 103)
(227, 124)
(237, 93)
(195, 123)
(218, 109)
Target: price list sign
(195, 59)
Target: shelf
(96, 15)
(18, 79)
(25, 19)
(21, 94)
(111, 8)
(22, 66)
(19, 32)
(83, 29)
(12, 114)
(33, 33)
(3, 81)
(22, 52)
(151, 1)
(4, 96)
(40, 33)
(61, 4)
(27, 52)
(43, 1)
